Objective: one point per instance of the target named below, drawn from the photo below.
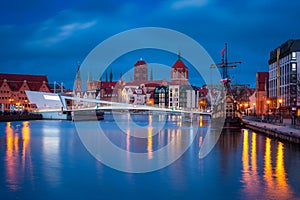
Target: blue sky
(50, 37)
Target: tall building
(181, 94)
(179, 73)
(141, 71)
(284, 76)
(262, 79)
(12, 90)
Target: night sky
(51, 37)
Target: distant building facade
(141, 91)
(141, 71)
(181, 94)
(262, 80)
(12, 90)
(161, 96)
(284, 76)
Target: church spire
(78, 76)
(110, 75)
(78, 82)
(179, 55)
(121, 74)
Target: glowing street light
(280, 102)
(268, 107)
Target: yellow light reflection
(276, 184)
(280, 172)
(11, 160)
(150, 120)
(200, 121)
(253, 154)
(268, 165)
(250, 178)
(245, 158)
(285, 191)
(149, 148)
(16, 153)
(128, 140)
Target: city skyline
(49, 38)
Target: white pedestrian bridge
(52, 102)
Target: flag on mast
(223, 51)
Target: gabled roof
(22, 77)
(15, 85)
(35, 86)
(15, 81)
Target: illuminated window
(293, 66)
(293, 55)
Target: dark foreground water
(47, 160)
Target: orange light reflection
(16, 153)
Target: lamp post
(280, 102)
(11, 104)
(254, 109)
(246, 108)
(294, 111)
(268, 107)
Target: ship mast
(225, 65)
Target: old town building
(13, 87)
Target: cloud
(55, 30)
(61, 35)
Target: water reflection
(275, 184)
(51, 154)
(150, 129)
(43, 156)
(250, 175)
(18, 160)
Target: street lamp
(280, 102)
(268, 107)
(254, 109)
(246, 108)
(10, 104)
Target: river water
(48, 160)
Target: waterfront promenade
(279, 130)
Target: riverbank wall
(281, 132)
(20, 117)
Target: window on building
(293, 78)
(294, 66)
(293, 55)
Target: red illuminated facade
(12, 90)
